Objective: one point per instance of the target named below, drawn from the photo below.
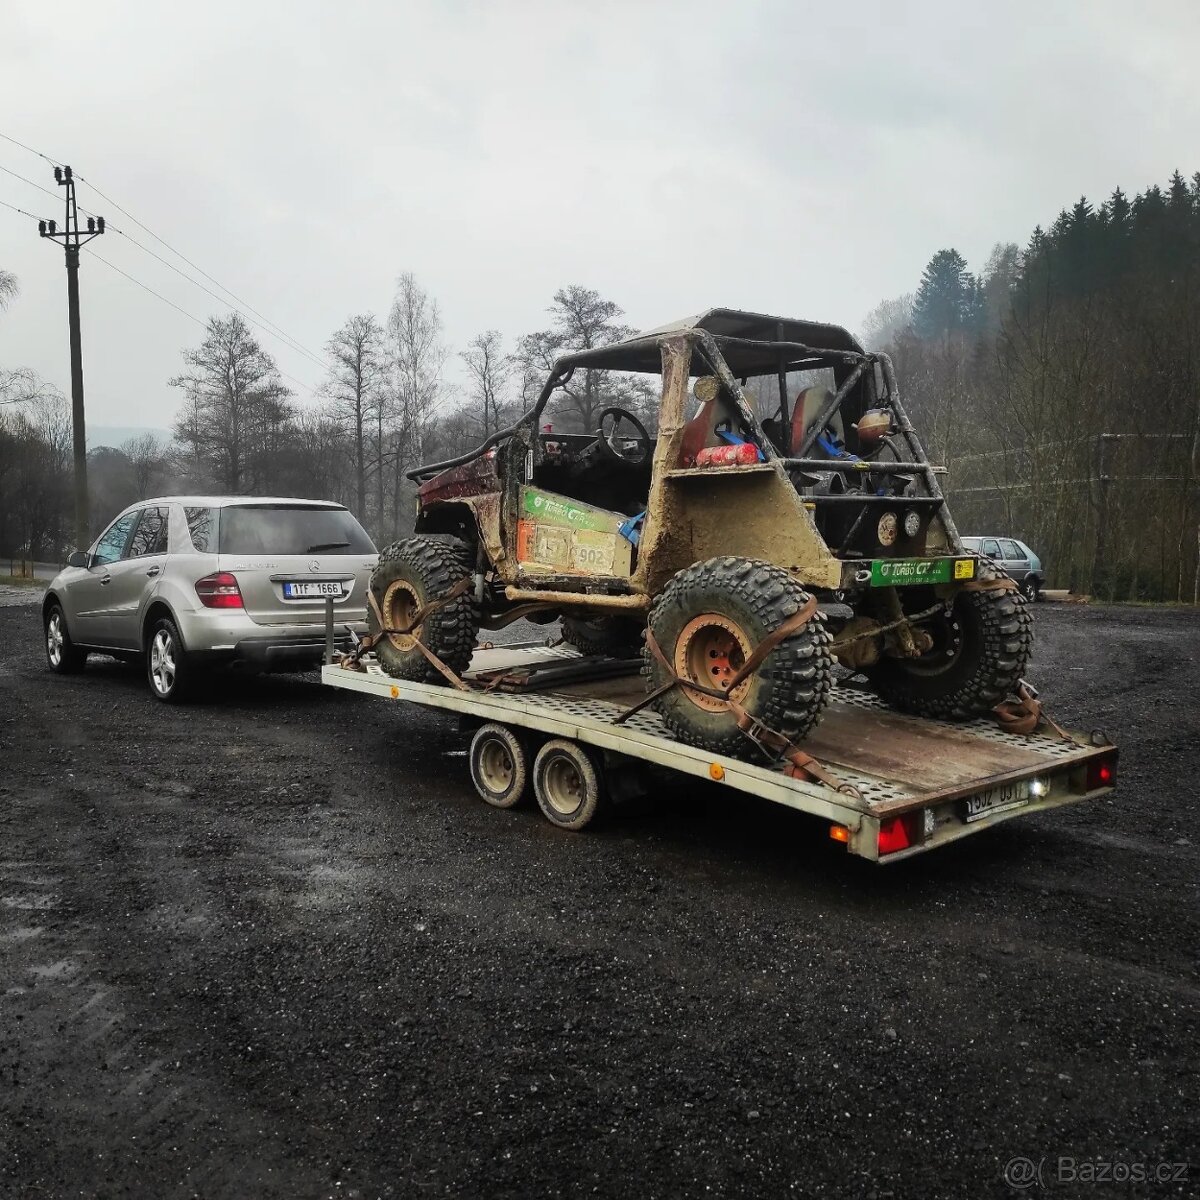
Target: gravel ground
(274, 946)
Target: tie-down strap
(422, 614)
(776, 746)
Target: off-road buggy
(741, 556)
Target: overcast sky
(793, 158)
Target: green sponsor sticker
(898, 572)
(559, 510)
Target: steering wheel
(618, 444)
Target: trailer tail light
(1102, 772)
(839, 833)
(219, 590)
(898, 833)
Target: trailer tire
(985, 645)
(499, 765)
(613, 637)
(708, 619)
(409, 575)
(567, 783)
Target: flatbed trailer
(898, 785)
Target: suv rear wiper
(325, 546)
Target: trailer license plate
(994, 800)
(298, 591)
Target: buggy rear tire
(980, 654)
(614, 637)
(707, 622)
(499, 765)
(411, 574)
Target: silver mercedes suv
(189, 583)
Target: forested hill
(1061, 387)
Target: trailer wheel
(980, 652)
(411, 574)
(499, 765)
(567, 784)
(706, 622)
(616, 637)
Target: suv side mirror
(79, 558)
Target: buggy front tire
(567, 783)
(707, 622)
(410, 575)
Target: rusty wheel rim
(710, 650)
(400, 604)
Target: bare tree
(887, 321)
(237, 405)
(418, 356)
(582, 320)
(147, 458)
(489, 371)
(35, 477)
(355, 385)
(8, 288)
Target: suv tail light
(219, 591)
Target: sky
(794, 158)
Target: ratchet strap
(1024, 713)
(777, 746)
(422, 614)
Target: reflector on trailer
(1102, 772)
(898, 833)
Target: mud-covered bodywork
(832, 480)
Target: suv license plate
(994, 800)
(298, 591)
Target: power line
(54, 162)
(280, 332)
(191, 316)
(146, 287)
(21, 211)
(36, 185)
(296, 347)
(268, 325)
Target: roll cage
(863, 380)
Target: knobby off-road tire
(616, 637)
(978, 657)
(411, 574)
(707, 621)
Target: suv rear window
(291, 529)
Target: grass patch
(21, 581)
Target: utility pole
(72, 239)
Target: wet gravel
(274, 946)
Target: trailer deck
(912, 783)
